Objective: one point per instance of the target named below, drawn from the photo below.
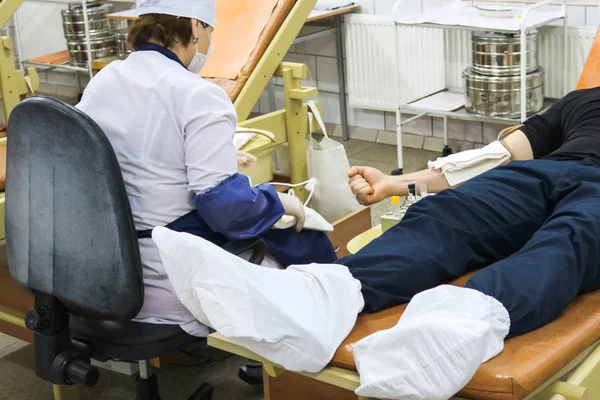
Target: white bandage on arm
(460, 167)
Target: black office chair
(71, 240)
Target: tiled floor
(18, 382)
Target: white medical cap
(202, 10)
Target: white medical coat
(172, 133)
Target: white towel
(459, 167)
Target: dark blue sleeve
(239, 211)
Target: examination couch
(560, 361)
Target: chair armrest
(258, 247)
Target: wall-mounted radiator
(371, 62)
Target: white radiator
(553, 60)
(458, 50)
(426, 66)
(371, 62)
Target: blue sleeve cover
(239, 211)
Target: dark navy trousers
(533, 225)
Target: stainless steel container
(501, 96)
(74, 25)
(100, 47)
(497, 54)
(123, 49)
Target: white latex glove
(293, 206)
(245, 160)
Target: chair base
(204, 392)
(251, 373)
(147, 389)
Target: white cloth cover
(314, 222)
(460, 167)
(435, 349)
(296, 318)
(202, 10)
(332, 4)
(459, 13)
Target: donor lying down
(532, 225)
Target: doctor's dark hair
(166, 29)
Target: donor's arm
(371, 186)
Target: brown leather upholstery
(527, 361)
(233, 87)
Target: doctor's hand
(369, 185)
(293, 206)
(245, 160)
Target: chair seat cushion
(128, 340)
(527, 362)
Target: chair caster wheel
(251, 374)
(446, 151)
(397, 172)
(204, 392)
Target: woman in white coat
(172, 132)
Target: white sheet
(460, 167)
(296, 318)
(435, 349)
(468, 16)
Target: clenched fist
(369, 185)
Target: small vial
(397, 211)
(412, 193)
(423, 190)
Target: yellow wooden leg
(272, 370)
(66, 392)
(297, 128)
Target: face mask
(200, 59)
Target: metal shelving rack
(462, 113)
(67, 67)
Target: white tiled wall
(320, 54)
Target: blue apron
(234, 210)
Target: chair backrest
(69, 229)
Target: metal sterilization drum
(74, 25)
(497, 54)
(123, 49)
(501, 96)
(100, 47)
